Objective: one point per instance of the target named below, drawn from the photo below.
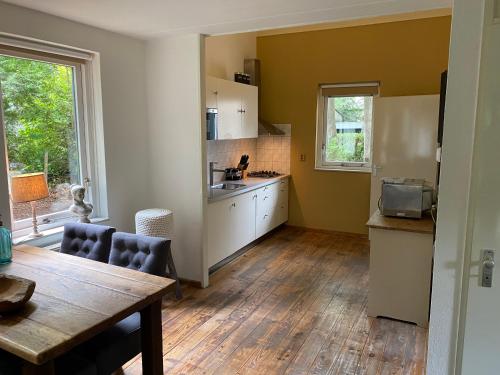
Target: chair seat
(75, 364)
(10, 364)
(70, 363)
(110, 349)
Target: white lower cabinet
(231, 225)
(235, 222)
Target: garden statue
(79, 207)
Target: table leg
(152, 343)
(45, 369)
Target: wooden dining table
(74, 300)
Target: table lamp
(29, 187)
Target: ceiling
(153, 18)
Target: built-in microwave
(211, 123)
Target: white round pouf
(155, 222)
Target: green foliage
(38, 116)
(346, 147)
(347, 109)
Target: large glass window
(41, 102)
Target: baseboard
(328, 231)
(193, 283)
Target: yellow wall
(225, 54)
(407, 57)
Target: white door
(404, 140)
(481, 346)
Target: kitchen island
(401, 252)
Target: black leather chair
(87, 241)
(70, 363)
(10, 364)
(141, 253)
(111, 349)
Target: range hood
(266, 128)
(252, 67)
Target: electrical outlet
(302, 157)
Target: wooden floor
(294, 304)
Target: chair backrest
(89, 241)
(139, 252)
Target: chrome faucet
(212, 170)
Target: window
(344, 123)
(47, 126)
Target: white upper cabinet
(250, 111)
(229, 107)
(211, 92)
(237, 106)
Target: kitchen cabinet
(272, 207)
(282, 208)
(236, 221)
(401, 253)
(250, 111)
(237, 106)
(211, 92)
(231, 225)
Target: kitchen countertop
(251, 183)
(424, 225)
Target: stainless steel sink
(228, 186)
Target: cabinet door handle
(266, 215)
(266, 197)
(255, 196)
(233, 204)
(216, 93)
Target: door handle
(487, 266)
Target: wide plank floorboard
(293, 304)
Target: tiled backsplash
(227, 153)
(273, 153)
(269, 152)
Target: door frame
(446, 318)
(488, 11)
(5, 210)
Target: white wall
(175, 99)
(454, 184)
(224, 54)
(123, 99)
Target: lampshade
(28, 187)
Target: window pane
(348, 126)
(39, 119)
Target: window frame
(89, 128)
(321, 128)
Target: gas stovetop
(264, 174)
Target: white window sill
(51, 236)
(344, 169)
